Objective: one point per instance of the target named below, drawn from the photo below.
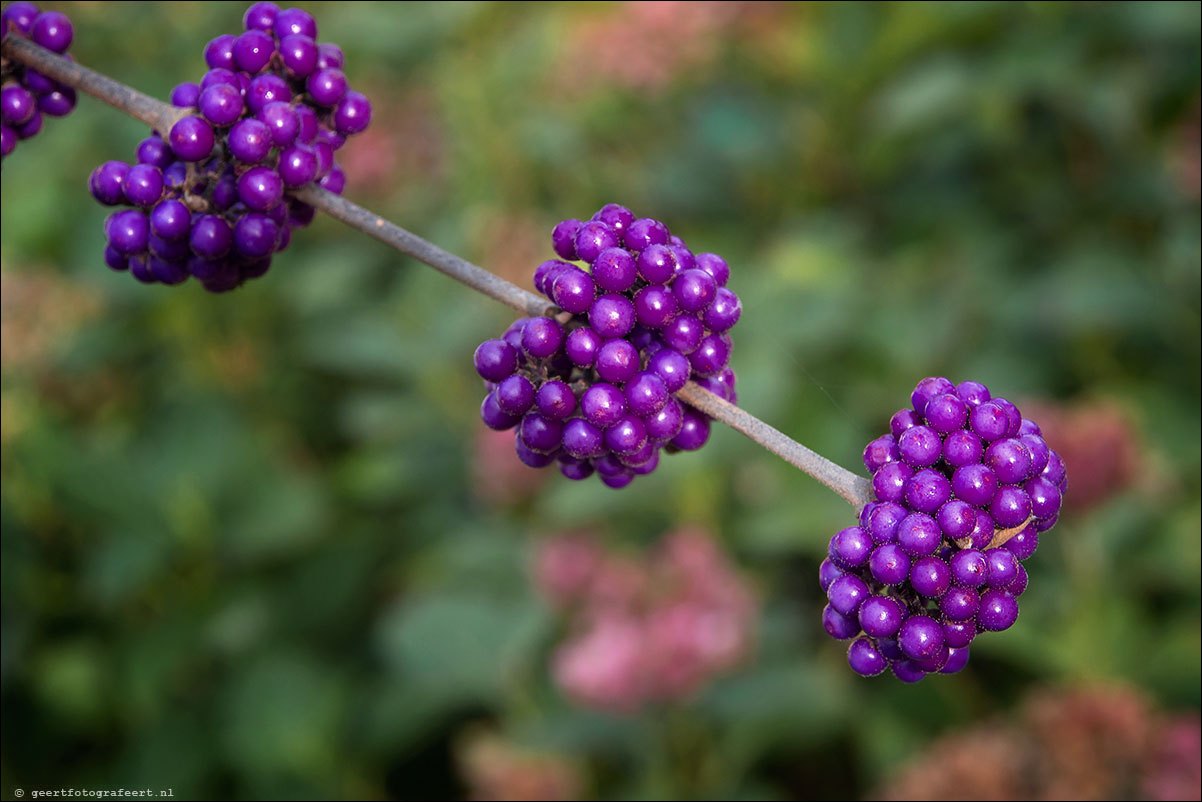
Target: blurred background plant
(260, 545)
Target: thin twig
(409, 243)
(160, 116)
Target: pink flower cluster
(644, 630)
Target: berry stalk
(160, 116)
(155, 113)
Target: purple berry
(256, 235)
(127, 231)
(956, 661)
(221, 104)
(611, 315)
(52, 30)
(603, 405)
(615, 270)
(998, 610)
(958, 634)
(192, 139)
(646, 393)
(918, 534)
(298, 166)
(847, 593)
(989, 421)
(881, 616)
(930, 577)
(495, 360)
(715, 265)
(828, 572)
(582, 346)
(974, 483)
(260, 188)
(902, 420)
(1010, 506)
(582, 439)
(694, 290)
(294, 21)
(326, 87)
(643, 233)
(563, 238)
(573, 290)
(962, 447)
(541, 434)
(882, 521)
(889, 481)
(657, 264)
(672, 367)
(1023, 544)
(927, 491)
(253, 51)
(211, 237)
(1045, 498)
(282, 121)
(106, 182)
(17, 105)
(694, 431)
(683, 334)
(352, 114)
(1010, 460)
(1002, 568)
(626, 436)
(249, 141)
(969, 568)
(711, 355)
(724, 312)
(515, 394)
(972, 393)
(865, 659)
(542, 337)
(667, 423)
(171, 220)
(554, 399)
(617, 361)
(850, 547)
(298, 54)
(889, 564)
(265, 89)
(839, 626)
(880, 451)
(617, 217)
(920, 637)
(920, 446)
(927, 389)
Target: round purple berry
(847, 593)
(352, 114)
(865, 659)
(694, 430)
(881, 616)
(930, 577)
(192, 139)
(998, 610)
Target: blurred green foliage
(246, 550)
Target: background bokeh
(260, 545)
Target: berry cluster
(211, 200)
(645, 630)
(27, 94)
(964, 485)
(596, 393)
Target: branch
(160, 116)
